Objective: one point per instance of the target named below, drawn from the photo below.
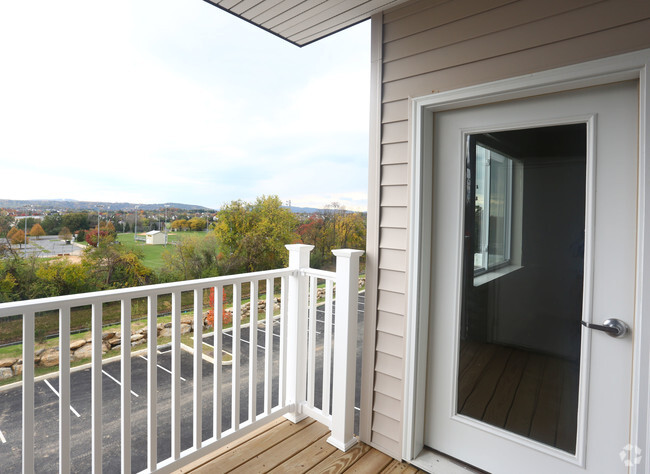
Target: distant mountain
(311, 210)
(305, 210)
(72, 205)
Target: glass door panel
(523, 281)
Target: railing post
(345, 348)
(296, 379)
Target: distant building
(155, 237)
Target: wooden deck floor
(527, 393)
(282, 447)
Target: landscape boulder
(8, 362)
(49, 358)
(6, 372)
(74, 345)
(83, 352)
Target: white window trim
(630, 66)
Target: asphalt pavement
(47, 404)
(48, 246)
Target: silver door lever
(613, 327)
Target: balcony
(143, 415)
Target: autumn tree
(253, 236)
(179, 224)
(334, 228)
(62, 277)
(197, 223)
(350, 231)
(11, 232)
(104, 237)
(17, 236)
(36, 231)
(65, 234)
(312, 232)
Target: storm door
(534, 219)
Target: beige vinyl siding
(394, 196)
(394, 217)
(436, 45)
(393, 132)
(394, 153)
(390, 323)
(390, 238)
(387, 406)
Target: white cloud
(176, 101)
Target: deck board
(307, 458)
(284, 447)
(283, 451)
(233, 458)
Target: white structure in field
(155, 237)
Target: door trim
(631, 66)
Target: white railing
(295, 381)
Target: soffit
(304, 21)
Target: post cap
(348, 253)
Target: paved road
(47, 406)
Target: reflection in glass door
(523, 281)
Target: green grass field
(153, 253)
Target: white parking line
(161, 367)
(2, 438)
(244, 340)
(57, 394)
(117, 381)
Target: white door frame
(631, 66)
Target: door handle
(613, 327)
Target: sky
(153, 101)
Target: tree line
(246, 236)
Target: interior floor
(524, 392)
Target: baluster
(64, 390)
(96, 384)
(236, 335)
(152, 382)
(125, 395)
(176, 375)
(28, 392)
(252, 353)
(198, 367)
(282, 378)
(218, 360)
(268, 347)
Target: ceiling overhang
(304, 21)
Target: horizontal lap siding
(436, 45)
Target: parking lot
(48, 246)
(47, 405)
